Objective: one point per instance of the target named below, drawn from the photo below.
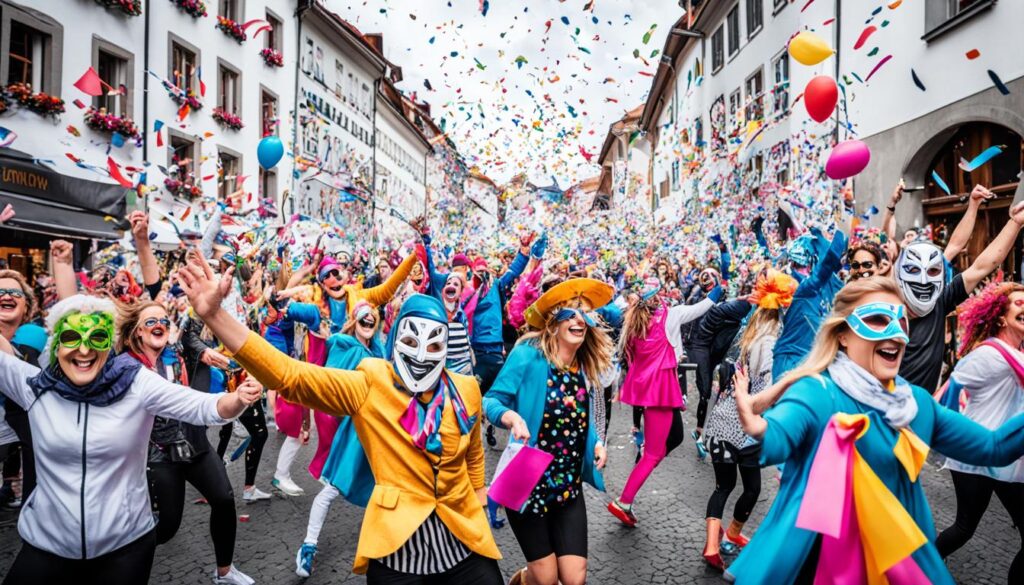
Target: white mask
(418, 366)
(921, 274)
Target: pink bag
(520, 469)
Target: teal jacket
(795, 427)
(521, 385)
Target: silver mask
(421, 347)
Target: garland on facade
(101, 121)
(189, 98)
(226, 118)
(272, 57)
(193, 8)
(129, 7)
(21, 94)
(231, 28)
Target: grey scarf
(898, 407)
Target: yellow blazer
(411, 483)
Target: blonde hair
(593, 356)
(762, 322)
(826, 343)
(127, 319)
(30, 295)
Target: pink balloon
(847, 159)
(820, 97)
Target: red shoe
(624, 516)
(715, 561)
(740, 541)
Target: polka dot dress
(563, 433)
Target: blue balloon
(269, 152)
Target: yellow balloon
(809, 49)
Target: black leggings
(128, 565)
(705, 368)
(167, 493)
(675, 433)
(973, 493)
(474, 569)
(18, 419)
(725, 481)
(255, 422)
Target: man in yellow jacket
(418, 423)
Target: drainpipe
(373, 163)
(300, 12)
(145, 92)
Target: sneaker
(625, 516)
(254, 494)
(304, 559)
(238, 430)
(702, 451)
(233, 577)
(287, 487)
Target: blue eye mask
(566, 314)
(880, 321)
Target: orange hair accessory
(773, 290)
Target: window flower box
(231, 29)
(128, 7)
(187, 97)
(272, 57)
(100, 121)
(193, 8)
(40, 103)
(225, 118)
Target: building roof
(664, 78)
(629, 122)
(370, 46)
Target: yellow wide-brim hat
(596, 294)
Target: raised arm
(961, 438)
(522, 259)
(63, 268)
(962, 234)
(889, 219)
(147, 259)
(337, 392)
(682, 314)
(994, 254)
(379, 295)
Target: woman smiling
(89, 519)
(854, 436)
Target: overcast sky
(490, 112)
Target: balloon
(820, 97)
(269, 152)
(809, 49)
(847, 159)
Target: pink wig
(979, 315)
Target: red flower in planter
(228, 119)
(272, 57)
(129, 7)
(40, 103)
(101, 121)
(231, 28)
(193, 8)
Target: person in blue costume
(346, 472)
(448, 289)
(852, 373)
(811, 302)
(547, 395)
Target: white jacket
(91, 495)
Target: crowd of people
(825, 350)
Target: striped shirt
(432, 549)
(460, 357)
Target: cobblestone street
(664, 549)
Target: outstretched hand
(204, 290)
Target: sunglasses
(153, 322)
(333, 273)
(97, 339)
(367, 321)
(567, 314)
(13, 292)
(866, 265)
(880, 321)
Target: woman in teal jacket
(544, 395)
(854, 436)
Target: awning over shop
(52, 203)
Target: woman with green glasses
(89, 519)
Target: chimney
(376, 41)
